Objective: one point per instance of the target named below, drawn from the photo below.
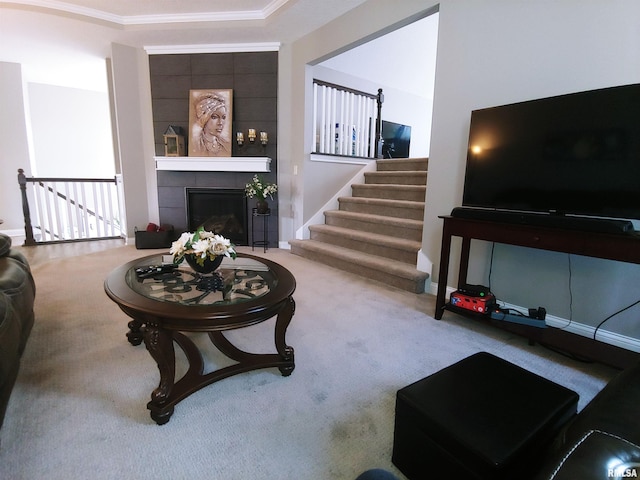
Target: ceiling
(145, 23)
(146, 12)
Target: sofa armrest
(615, 409)
(604, 436)
(599, 455)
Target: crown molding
(128, 20)
(212, 48)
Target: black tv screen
(396, 139)
(575, 154)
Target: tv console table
(620, 247)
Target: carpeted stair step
(398, 164)
(389, 272)
(415, 193)
(379, 206)
(383, 246)
(393, 227)
(409, 177)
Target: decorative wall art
(210, 123)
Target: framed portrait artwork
(210, 123)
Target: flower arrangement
(203, 245)
(259, 188)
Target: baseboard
(604, 336)
(14, 233)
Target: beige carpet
(78, 409)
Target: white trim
(319, 157)
(212, 48)
(195, 17)
(75, 9)
(273, 7)
(14, 232)
(605, 336)
(214, 164)
(424, 264)
(231, 16)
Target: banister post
(28, 229)
(379, 141)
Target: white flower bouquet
(259, 188)
(202, 245)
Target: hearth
(220, 210)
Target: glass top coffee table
(162, 305)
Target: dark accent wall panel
(253, 77)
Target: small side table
(265, 225)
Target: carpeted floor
(78, 409)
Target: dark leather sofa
(603, 440)
(17, 295)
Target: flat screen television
(570, 155)
(396, 140)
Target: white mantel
(214, 164)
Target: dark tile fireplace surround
(172, 196)
(253, 78)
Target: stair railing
(71, 209)
(346, 122)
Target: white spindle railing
(344, 121)
(68, 209)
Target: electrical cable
(570, 290)
(595, 332)
(493, 247)
(570, 281)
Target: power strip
(521, 319)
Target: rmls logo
(624, 470)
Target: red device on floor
(479, 303)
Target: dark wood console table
(623, 248)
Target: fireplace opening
(223, 211)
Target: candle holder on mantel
(252, 137)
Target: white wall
(404, 59)
(61, 86)
(132, 106)
(403, 64)
(71, 132)
(15, 153)
(497, 52)
(70, 55)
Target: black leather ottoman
(481, 418)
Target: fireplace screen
(223, 211)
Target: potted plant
(202, 250)
(260, 189)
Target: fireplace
(220, 210)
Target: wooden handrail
(67, 215)
(28, 229)
(346, 89)
(379, 140)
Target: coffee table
(167, 305)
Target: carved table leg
(159, 343)
(286, 352)
(134, 335)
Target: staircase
(377, 232)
